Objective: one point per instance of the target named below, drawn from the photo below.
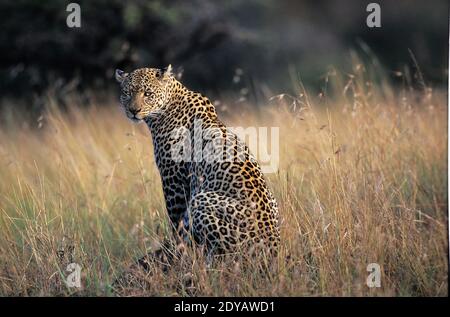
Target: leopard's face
(143, 92)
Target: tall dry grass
(362, 179)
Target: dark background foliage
(211, 40)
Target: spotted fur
(221, 201)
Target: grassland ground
(362, 179)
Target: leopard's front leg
(176, 190)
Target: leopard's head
(144, 91)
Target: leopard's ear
(168, 71)
(120, 75)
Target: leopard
(215, 195)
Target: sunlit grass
(362, 179)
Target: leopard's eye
(148, 94)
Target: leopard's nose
(134, 111)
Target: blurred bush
(210, 40)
